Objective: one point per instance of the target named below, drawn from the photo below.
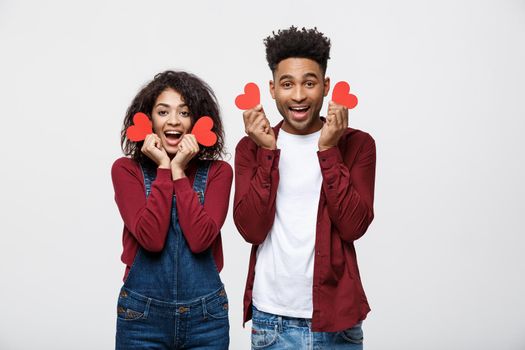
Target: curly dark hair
(291, 42)
(197, 95)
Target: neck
(316, 125)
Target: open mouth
(299, 112)
(172, 137)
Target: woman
(173, 197)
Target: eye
(184, 113)
(162, 112)
(310, 84)
(287, 84)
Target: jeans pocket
(131, 309)
(218, 307)
(353, 335)
(263, 335)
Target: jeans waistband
(271, 319)
(175, 304)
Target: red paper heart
(203, 133)
(141, 128)
(250, 98)
(342, 95)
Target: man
(304, 193)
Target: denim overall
(173, 299)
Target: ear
(272, 89)
(326, 86)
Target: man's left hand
(334, 127)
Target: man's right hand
(258, 127)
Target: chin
(171, 151)
(300, 125)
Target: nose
(298, 94)
(173, 119)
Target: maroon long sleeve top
(344, 214)
(147, 220)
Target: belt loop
(146, 311)
(280, 323)
(204, 311)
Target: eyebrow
(305, 75)
(182, 105)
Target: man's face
(298, 89)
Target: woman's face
(171, 120)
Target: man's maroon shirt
(344, 214)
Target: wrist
(269, 144)
(177, 173)
(164, 165)
(325, 147)
(271, 148)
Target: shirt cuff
(268, 158)
(163, 175)
(330, 157)
(182, 185)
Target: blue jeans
(280, 332)
(145, 323)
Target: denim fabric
(174, 298)
(280, 332)
(145, 323)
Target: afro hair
(292, 42)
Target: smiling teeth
(172, 132)
(298, 109)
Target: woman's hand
(152, 148)
(188, 148)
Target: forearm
(201, 224)
(147, 219)
(349, 193)
(256, 181)
(350, 214)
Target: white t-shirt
(285, 260)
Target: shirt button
(269, 157)
(330, 187)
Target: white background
(440, 87)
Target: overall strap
(199, 184)
(201, 177)
(149, 175)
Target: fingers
(249, 114)
(192, 142)
(153, 149)
(252, 119)
(329, 119)
(337, 115)
(261, 124)
(149, 142)
(156, 141)
(257, 124)
(188, 145)
(258, 128)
